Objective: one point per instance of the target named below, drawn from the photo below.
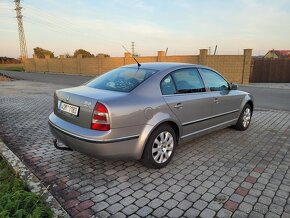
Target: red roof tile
(281, 53)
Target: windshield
(123, 79)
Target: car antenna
(139, 65)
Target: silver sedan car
(143, 112)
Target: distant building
(278, 54)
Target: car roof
(162, 65)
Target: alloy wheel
(246, 117)
(162, 147)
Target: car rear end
(83, 124)
(93, 121)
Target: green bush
(15, 68)
(15, 199)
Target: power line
(48, 18)
(22, 41)
(61, 24)
(51, 22)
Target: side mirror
(234, 86)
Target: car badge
(67, 99)
(87, 103)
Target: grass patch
(15, 198)
(3, 78)
(20, 68)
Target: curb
(265, 86)
(32, 181)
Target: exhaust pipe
(54, 141)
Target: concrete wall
(236, 68)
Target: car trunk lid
(76, 105)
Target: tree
(67, 55)
(40, 52)
(105, 55)
(83, 52)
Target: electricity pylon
(23, 49)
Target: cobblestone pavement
(222, 174)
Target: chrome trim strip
(208, 118)
(93, 140)
(190, 134)
(191, 93)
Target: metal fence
(270, 71)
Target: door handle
(178, 106)
(216, 100)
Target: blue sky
(182, 26)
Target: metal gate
(271, 71)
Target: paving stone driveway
(223, 174)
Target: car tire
(160, 147)
(244, 120)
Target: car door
(185, 93)
(225, 102)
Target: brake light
(100, 120)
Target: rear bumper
(94, 143)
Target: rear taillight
(100, 120)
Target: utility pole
(166, 51)
(23, 49)
(133, 49)
(215, 50)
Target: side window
(167, 86)
(214, 80)
(188, 81)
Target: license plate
(71, 109)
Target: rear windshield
(123, 79)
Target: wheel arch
(251, 103)
(174, 127)
(171, 123)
